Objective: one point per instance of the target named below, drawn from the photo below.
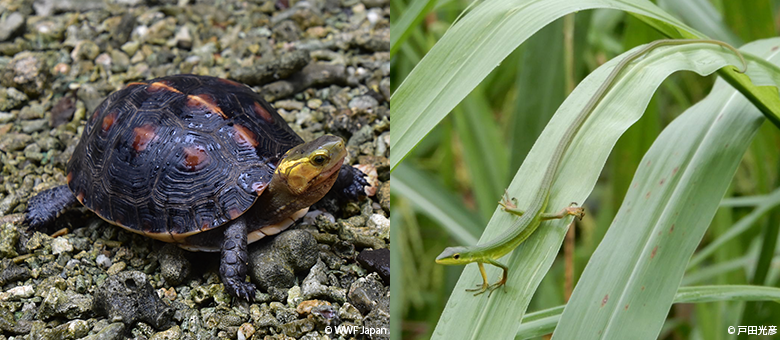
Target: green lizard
(527, 223)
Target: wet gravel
(324, 64)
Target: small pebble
(17, 293)
(60, 245)
(103, 261)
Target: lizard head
(450, 255)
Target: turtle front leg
(232, 267)
(350, 184)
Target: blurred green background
(446, 177)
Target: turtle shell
(177, 155)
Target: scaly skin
(529, 220)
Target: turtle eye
(319, 159)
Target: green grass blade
(749, 220)
(629, 284)
(485, 155)
(499, 316)
(433, 200)
(544, 322)
(703, 16)
(401, 28)
(473, 47)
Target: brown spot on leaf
(674, 172)
(204, 101)
(663, 180)
(647, 195)
(604, 300)
(195, 157)
(655, 250)
(244, 136)
(262, 112)
(142, 136)
(626, 307)
(162, 85)
(671, 229)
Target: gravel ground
(324, 64)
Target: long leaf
(497, 317)
(543, 322)
(432, 199)
(482, 38)
(629, 284)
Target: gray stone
(12, 26)
(128, 297)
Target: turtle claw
(241, 289)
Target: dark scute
(260, 174)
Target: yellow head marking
(307, 165)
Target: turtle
(200, 161)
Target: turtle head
(450, 255)
(313, 166)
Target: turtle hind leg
(233, 264)
(350, 184)
(44, 207)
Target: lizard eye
(456, 256)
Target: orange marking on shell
(244, 136)
(108, 121)
(229, 82)
(80, 197)
(262, 112)
(143, 136)
(136, 83)
(195, 157)
(160, 86)
(259, 187)
(206, 101)
(69, 177)
(234, 213)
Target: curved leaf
(629, 283)
(498, 317)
